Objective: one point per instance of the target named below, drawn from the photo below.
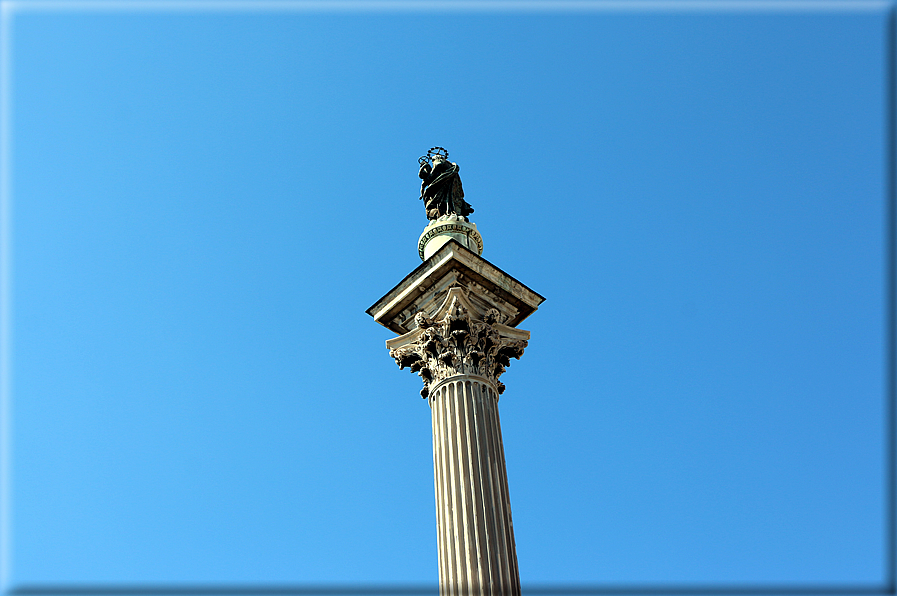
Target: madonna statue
(441, 187)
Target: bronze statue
(441, 187)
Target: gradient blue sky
(203, 200)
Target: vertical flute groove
(472, 394)
(512, 554)
(470, 517)
(450, 578)
(457, 520)
(497, 480)
(460, 507)
(438, 467)
(488, 497)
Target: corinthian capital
(458, 340)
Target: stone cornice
(424, 289)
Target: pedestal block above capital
(425, 290)
(449, 227)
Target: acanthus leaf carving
(457, 344)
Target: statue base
(449, 227)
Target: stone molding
(456, 341)
(460, 379)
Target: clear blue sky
(204, 202)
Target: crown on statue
(440, 151)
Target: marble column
(459, 354)
(473, 509)
(457, 315)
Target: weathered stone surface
(425, 288)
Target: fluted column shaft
(477, 555)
